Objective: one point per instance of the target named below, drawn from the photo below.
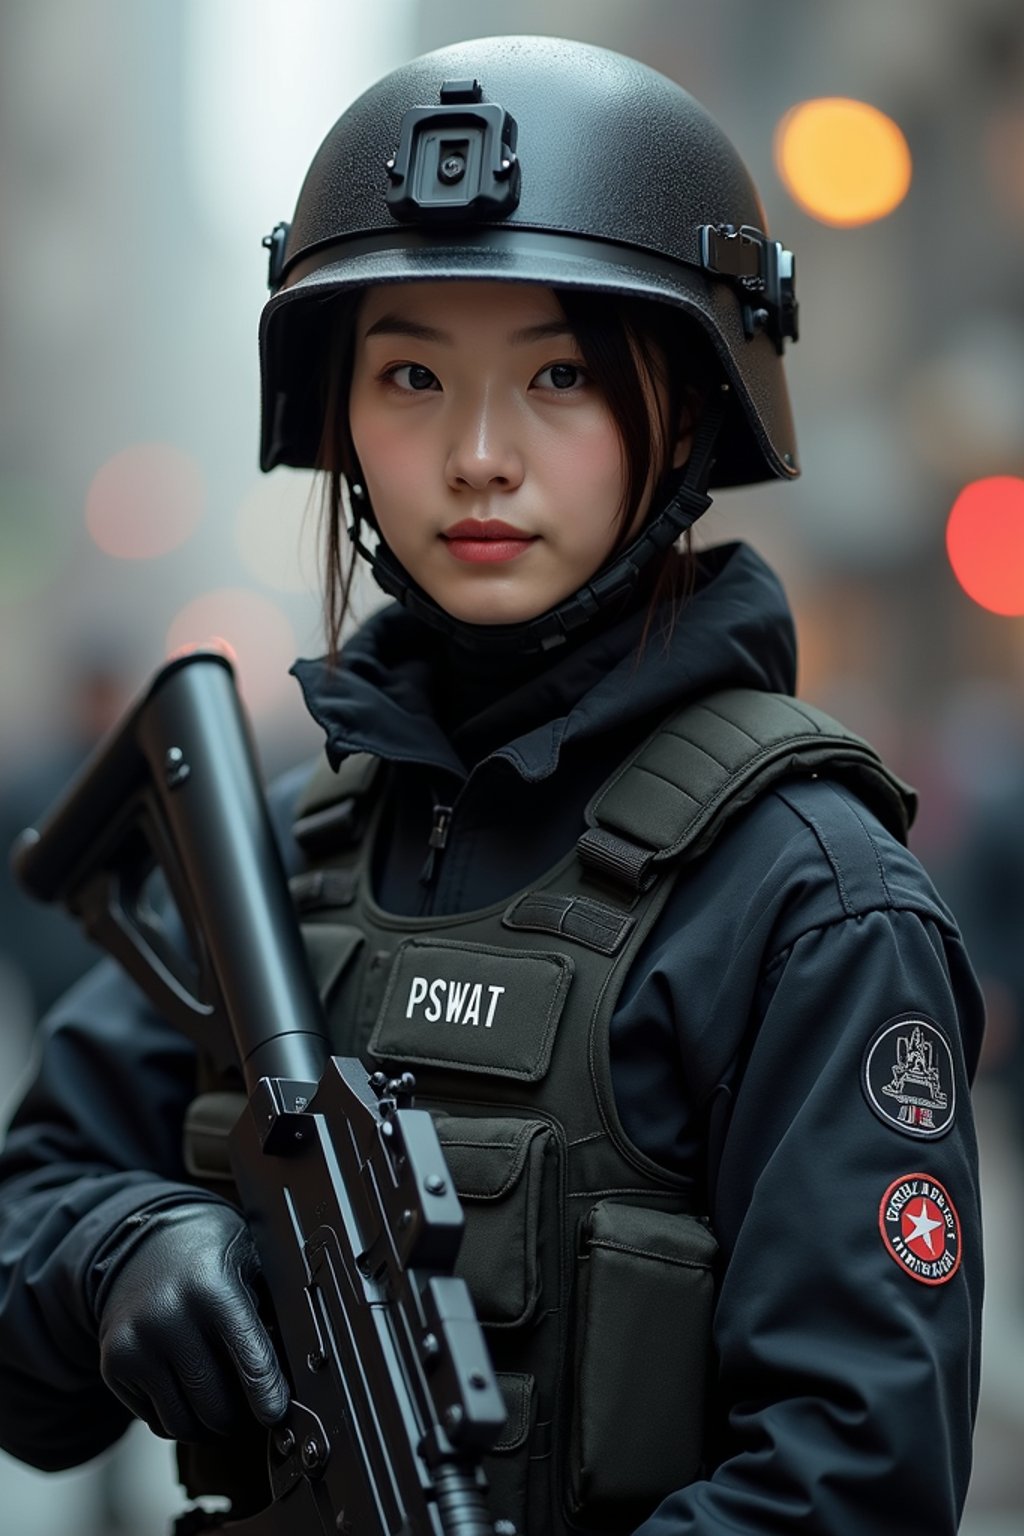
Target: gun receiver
(343, 1183)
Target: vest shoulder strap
(671, 798)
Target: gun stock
(342, 1181)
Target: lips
(486, 543)
(493, 528)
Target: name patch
(454, 1001)
(472, 1007)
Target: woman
(695, 1028)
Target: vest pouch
(502, 1168)
(508, 1464)
(643, 1341)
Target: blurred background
(146, 148)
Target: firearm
(343, 1183)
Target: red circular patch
(920, 1228)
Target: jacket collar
(735, 631)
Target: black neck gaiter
(483, 701)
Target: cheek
(390, 445)
(373, 438)
(590, 472)
(605, 462)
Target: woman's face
(493, 464)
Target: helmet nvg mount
(539, 160)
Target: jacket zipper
(436, 843)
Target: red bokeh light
(985, 543)
(252, 630)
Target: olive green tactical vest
(592, 1268)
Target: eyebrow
(398, 325)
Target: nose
(483, 452)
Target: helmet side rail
(344, 1184)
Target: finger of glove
(178, 1377)
(247, 1341)
(159, 1404)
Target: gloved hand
(181, 1341)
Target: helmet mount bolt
(452, 169)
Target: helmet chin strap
(606, 589)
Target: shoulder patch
(920, 1228)
(907, 1076)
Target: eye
(562, 377)
(412, 376)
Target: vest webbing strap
(671, 797)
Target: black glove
(181, 1341)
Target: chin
(490, 597)
(491, 614)
(488, 609)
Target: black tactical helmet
(533, 159)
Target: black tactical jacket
(798, 1035)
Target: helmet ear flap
(299, 400)
(315, 402)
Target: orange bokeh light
(843, 161)
(985, 543)
(144, 501)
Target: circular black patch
(908, 1076)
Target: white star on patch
(924, 1226)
